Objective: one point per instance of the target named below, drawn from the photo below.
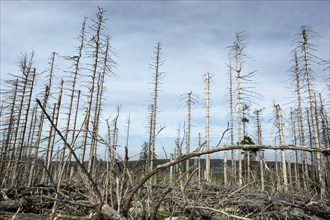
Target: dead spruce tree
(96, 45)
(306, 59)
(24, 91)
(259, 142)
(207, 79)
(106, 68)
(279, 126)
(231, 115)
(6, 128)
(297, 75)
(189, 100)
(294, 141)
(51, 138)
(324, 121)
(41, 122)
(244, 92)
(74, 74)
(157, 76)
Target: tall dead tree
(231, 116)
(76, 65)
(259, 142)
(297, 78)
(243, 90)
(301, 131)
(188, 132)
(41, 121)
(25, 88)
(31, 137)
(26, 114)
(96, 45)
(324, 120)
(5, 157)
(157, 76)
(294, 142)
(150, 128)
(190, 99)
(279, 126)
(207, 79)
(305, 36)
(52, 134)
(238, 53)
(73, 138)
(105, 70)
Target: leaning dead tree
(52, 135)
(297, 75)
(41, 122)
(306, 59)
(74, 74)
(106, 68)
(96, 45)
(6, 128)
(19, 118)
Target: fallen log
(9, 205)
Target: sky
(195, 36)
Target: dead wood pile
(191, 202)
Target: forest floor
(194, 202)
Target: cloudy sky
(195, 37)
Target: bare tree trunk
(259, 134)
(49, 151)
(238, 53)
(324, 124)
(41, 120)
(6, 152)
(96, 56)
(311, 144)
(172, 169)
(31, 143)
(294, 142)
(281, 135)
(207, 174)
(225, 168)
(68, 160)
(312, 108)
(76, 63)
(36, 148)
(262, 177)
(231, 121)
(157, 76)
(277, 176)
(199, 160)
(98, 106)
(113, 177)
(23, 131)
(188, 133)
(57, 107)
(304, 165)
(25, 66)
(148, 162)
(110, 167)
